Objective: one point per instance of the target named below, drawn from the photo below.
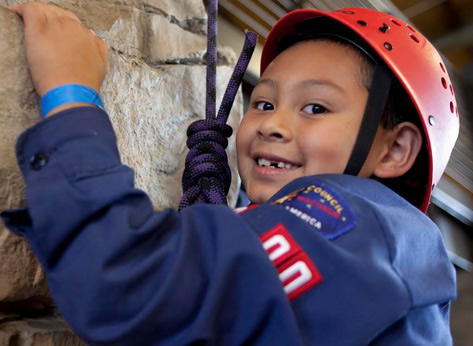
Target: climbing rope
(207, 175)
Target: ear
(403, 145)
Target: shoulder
(344, 245)
(398, 232)
(359, 199)
(367, 192)
(347, 202)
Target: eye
(314, 108)
(263, 106)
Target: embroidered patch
(298, 276)
(296, 271)
(322, 208)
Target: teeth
(282, 165)
(263, 162)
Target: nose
(276, 126)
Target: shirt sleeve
(429, 325)
(123, 274)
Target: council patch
(322, 208)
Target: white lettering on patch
(300, 275)
(305, 217)
(282, 244)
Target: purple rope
(211, 85)
(207, 175)
(237, 76)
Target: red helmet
(414, 62)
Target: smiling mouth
(275, 164)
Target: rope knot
(207, 176)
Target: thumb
(16, 9)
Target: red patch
(279, 245)
(243, 210)
(296, 271)
(299, 275)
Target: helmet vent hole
(442, 67)
(414, 38)
(444, 83)
(346, 12)
(431, 120)
(362, 23)
(451, 90)
(388, 46)
(452, 108)
(395, 22)
(384, 28)
(411, 28)
(433, 187)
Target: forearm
(82, 211)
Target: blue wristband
(69, 93)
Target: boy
(358, 263)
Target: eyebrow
(317, 82)
(268, 82)
(302, 84)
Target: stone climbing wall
(155, 87)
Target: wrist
(69, 96)
(68, 106)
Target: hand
(59, 49)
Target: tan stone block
(169, 42)
(180, 10)
(21, 276)
(127, 35)
(43, 331)
(155, 39)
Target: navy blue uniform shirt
(329, 260)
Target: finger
(17, 9)
(33, 14)
(14, 9)
(27, 7)
(36, 12)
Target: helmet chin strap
(380, 84)
(377, 99)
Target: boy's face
(304, 117)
